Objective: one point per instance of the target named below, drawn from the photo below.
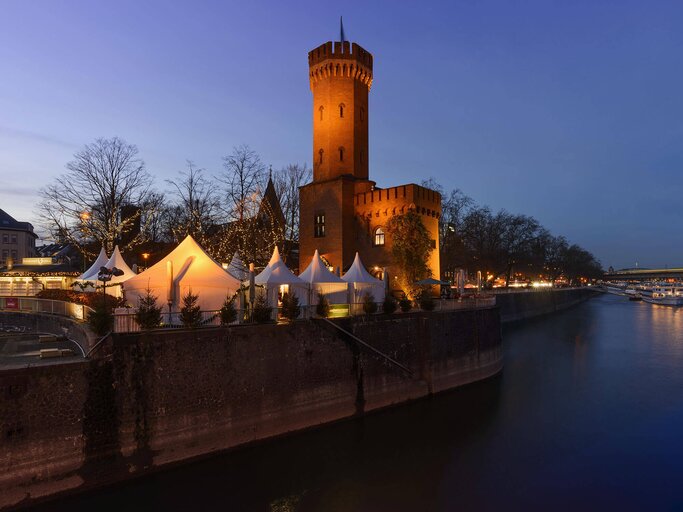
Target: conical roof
(92, 271)
(317, 272)
(117, 261)
(276, 272)
(358, 274)
(237, 269)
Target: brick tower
(340, 76)
(341, 210)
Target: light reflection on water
(588, 413)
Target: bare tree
(103, 198)
(243, 176)
(287, 182)
(250, 230)
(195, 210)
(154, 218)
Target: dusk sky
(571, 112)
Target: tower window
(320, 156)
(379, 237)
(341, 154)
(362, 114)
(341, 110)
(319, 225)
(321, 109)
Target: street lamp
(85, 217)
(145, 256)
(105, 274)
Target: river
(587, 414)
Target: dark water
(588, 414)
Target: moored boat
(665, 296)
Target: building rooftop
(21, 270)
(10, 223)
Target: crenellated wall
(374, 209)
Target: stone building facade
(342, 210)
(17, 239)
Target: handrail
(369, 347)
(46, 306)
(97, 344)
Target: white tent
(237, 269)
(322, 280)
(362, 282)
(117, 261)
(92, 271)
(278, 279)
(186, 268)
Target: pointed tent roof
(117, 261)
(192, 268)
(237, 269)
(276, 272)
(317, 272)
(92, 271)
(358, 274)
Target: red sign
(11, 303)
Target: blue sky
(571, 112)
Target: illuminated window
(341, 154)
(379, 237)
(341, 110)
(319, 225)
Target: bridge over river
(644, 274)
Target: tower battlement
(340, 50)
(340, 58)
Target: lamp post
(145, 256)
(85, 217)
(105, 274)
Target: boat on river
(664, 295)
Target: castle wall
(375, 208)
(341, 73)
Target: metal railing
(45, 306)
(124, 319)
(369, 347)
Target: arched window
(379, 237)
(321, 109)
(341, 110)
(362, 114)
(341, 154)
(320, 156)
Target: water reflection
(587, 414)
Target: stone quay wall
(163, 397)
(523, 305)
